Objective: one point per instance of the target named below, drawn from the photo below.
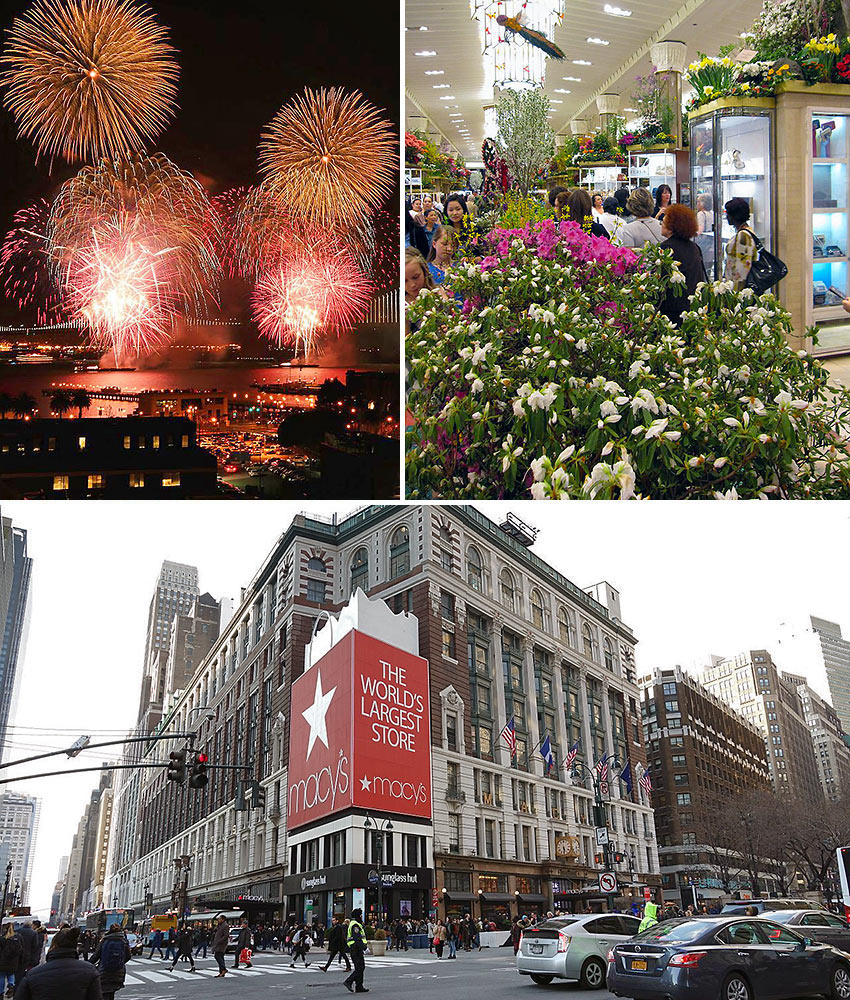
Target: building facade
(832, 752)
(815, 649)
(85, 862)
(15, 573)
(505, 636)
(699, 751)
(18, 831)
(752, 684)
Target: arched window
(400, 552)
(563, 625)
(360, 570)
(537, 614)
(587, 641)
(315, 565)
(608, 654)
(474, 569)
(508, 590)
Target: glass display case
(601, 178)
(651, 169)
(829, 240)
(731, 157)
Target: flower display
(550, 373)
(414, 147)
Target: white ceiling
(704, 26)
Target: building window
(316, 565)
(454, 833)
(449, 644)
(457, 881)
(566, 627)
(683, 799)
(155, 441)
(173, 479)
(608, 654)
(60, 483)
(400, 552)
(137, 479)
(451, 732)
(447, 606)
(81, 443)
(184, 441)
(507, 589)
(587, 641)
(360, 570)
(96, 481)
(316, 591)
(474, 569)
(446, 562)
(537, 614)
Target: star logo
(315, 715)
(365, 785)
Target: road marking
(156, 977)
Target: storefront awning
(532, 897)
(213, 914)
(497, 897)
(460, 897)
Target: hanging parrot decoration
(514, 26)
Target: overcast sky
(694, 579)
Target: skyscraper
(831, 752)
(15, 571)
(816, 649)
(18, 829)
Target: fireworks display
(330, 156)
(132, 242)
(228, 207)
(310, 289)
(88, 78)
(24, 269)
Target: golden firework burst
(88, 78)
(329, 155)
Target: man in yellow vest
(650, 916)
(356, 942)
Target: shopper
(622, 197)
(220, 938)
(440, 936)
(414, 227)
(202, 940)
(356, 943)
(597, 206)
(63, 975)
(171, 943)
(336, 944)
(245, 943)
(554, 192)
(741, 249)
(611, 220)
(663, 198)
(301, 943)
(41, 934)
(183, 947)
(643, 228)
(156, 943)
(111, 958)
(457, 211)
(432, 224)
(11, 950)
(576, 206)
(443, 249)
(416, 275)
(679, 226)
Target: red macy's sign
(360, 733)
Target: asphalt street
(490, 973)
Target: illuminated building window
(96, 482)
(81, 442)
(173, 479)
(60, 482)
(127, 441)
(137, 479)
(184, 441)
(155, 441)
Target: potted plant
(378, 944)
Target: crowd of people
(435, 232)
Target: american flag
(602, 771)
(645, 783)
(570, 759)
(508, 736)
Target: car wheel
(841, 982)
(545, 980)
(736, 988)
(593, 975)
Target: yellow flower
(784, 67)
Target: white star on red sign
(315, 715)
(365, 785)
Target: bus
(100, 921)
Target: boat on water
(33, 359)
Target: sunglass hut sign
(360, 733)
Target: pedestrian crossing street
(143, 971)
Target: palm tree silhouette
(6, 404)
(80, 400)
(60, 402)
(23, 405)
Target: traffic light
(198, 777)
(176, 766)
(619, 857)
(240, 805)
(599, 859)
(599, 816)
(258, 796)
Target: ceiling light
(434, 72)
(448, 97)
(577, 79)
(441, 86)
(456, 114)
(561, 90)
(595, 41)
(553, 101)
(425, 52)
(629, 109)
(616, 11)
(581, 62)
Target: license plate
(537, 949)
(638, 965)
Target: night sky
(238, 65)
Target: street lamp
(147, 891)
(600, 819)
(381, 827)
(6, 890)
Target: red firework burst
(227, 207)
(314, 289)
(24, 265)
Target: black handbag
(767, 269)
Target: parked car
(818, 924)
(762, 905)
(572, 947)
(726, 958)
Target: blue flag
(547, 755)
(626, 776)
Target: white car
(573, 947)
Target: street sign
(601, 836)
(647, 893)
(607, 882)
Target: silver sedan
(573, 947)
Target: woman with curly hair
(678, 227)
